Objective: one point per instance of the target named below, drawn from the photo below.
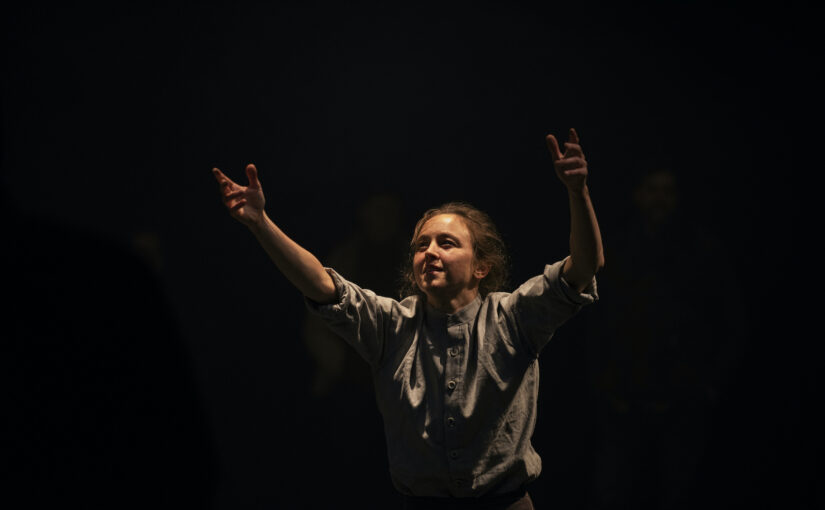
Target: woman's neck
(452, 303)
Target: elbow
(584, 269)
(322, 291)
(595, 267)
(595, 264)
(328, 293)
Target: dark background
(155, 353)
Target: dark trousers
(510, 501)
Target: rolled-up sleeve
(543, 303)
(359, 316)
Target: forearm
(586, 253)
(299, 266)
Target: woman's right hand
(245, 203)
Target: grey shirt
(457, 392)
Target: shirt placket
(453, 426)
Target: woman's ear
(481, 270)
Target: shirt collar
(462, 316)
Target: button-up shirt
(457, 392)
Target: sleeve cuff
(340, 292)
(587, 296)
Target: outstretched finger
(252, 175)
(573, 150)
(223, 180)
(553, 146)
(573, 136)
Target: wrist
(578, 193)
(259, 224)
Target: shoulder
(547, 286)
(351, 294)
(410, 306)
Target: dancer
(455, 361)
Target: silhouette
(664, 346)
(373, 254)
(344, 421)
(104, 411)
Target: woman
(455, 363)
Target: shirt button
(454, 454)
(453, 351)
(451, 384)
(451, 422)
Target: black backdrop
(129, 278)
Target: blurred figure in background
(664, 345)
(374, 255)
(104, 411)
(344, 417)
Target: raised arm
(301, 268)
(586, 253)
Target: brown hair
(488, 246)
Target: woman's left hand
(571, 167)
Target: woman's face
(443, 262)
